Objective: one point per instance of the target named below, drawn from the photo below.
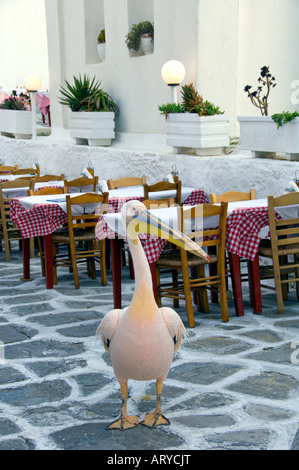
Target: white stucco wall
(237, 171)
(23, 42)
(268, 35)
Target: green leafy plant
(168, 108)
(137, 30)
(192, 102)
(102, 37)
(75, 96)
(284, 117)
(86, 95)
(100, 101)
(259, 97)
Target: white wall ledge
(237, 170)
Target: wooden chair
(27, 171)
(80, 184)
(6, 169)
(8, 230)
(164, 186)
(128, 181)
(232, 196)
(284, 244)
(198, 280)
(45, 192)
(81, 228)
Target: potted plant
(267, 135)
(13, 119)
(140, 39)
(195, 124)
(102, 45)
(92, 111)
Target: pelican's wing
(175, 326)
(108, 326)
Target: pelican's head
(130, 210)
(138, 219)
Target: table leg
(154, 279)
(115, 250)
(26, 259)
(255, 283)
(48, 261)
(234, 262)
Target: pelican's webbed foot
(124, 422)
(152, 420)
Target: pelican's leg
(125, 421)
(156, 418)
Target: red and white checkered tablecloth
(243, 228)
(43, 219)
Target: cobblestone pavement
(231, 386)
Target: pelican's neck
(143, 278)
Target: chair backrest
(158, 203)
(79, 184)
(85, 218)
(284, 232)
(6, 201)
(164, 186)
(27, 171)
(6, 169)
(206, 224)
(47, 191)
(128, 181)
(17, 183)
(41, 179)
(232, 196)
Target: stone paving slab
(231, 386)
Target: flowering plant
(259, 97)
(18, 103)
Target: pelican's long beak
(146, 222)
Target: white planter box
(207, 134)
(261, 135)
(102, 51)
(94, 128)
(18, 123)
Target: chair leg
(278, 289)
(41, 255)
(7, 249)
(31, 247)
(54, 264)
(284, 260)
(188, 296)
(223, 302)
(74, 266)
(202, 292)
(103, 263)
(176, 302)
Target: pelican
(142, 337)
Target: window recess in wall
(95, 41)
(140, 37)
